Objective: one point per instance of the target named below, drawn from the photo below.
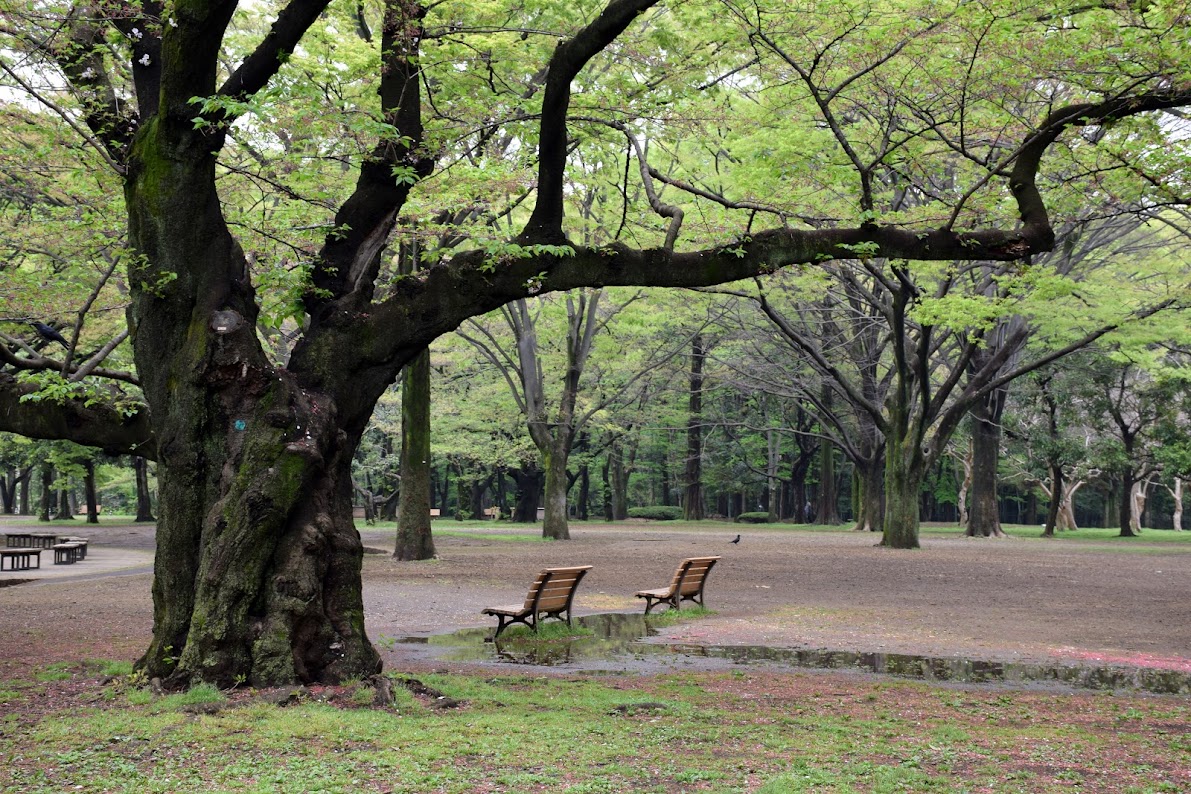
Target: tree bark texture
(693, 508)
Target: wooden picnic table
(43, 540)
(20, 559)
(18, 540)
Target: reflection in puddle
(618, 638)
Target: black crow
(735, 539)
(48, 333)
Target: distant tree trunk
(47, 493)
(964, 487)
(774, 457)
(89, 492)
(1054, 510)
(692, 495)
(475, 501)
(584, 497)
(65, 512)
(1137, 496)
(1176, 493)
(827, 513)
(26, 480)
(619, 480)
(1125, 504)
(870, 477)
(798, 489)
(606, 473)
(984, 520)
(528, 496)
(144, 499)
(414, 539)
(8, 491)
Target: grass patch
(691, 732)
(58, 671)
(500, 537)
(552, 631)
(1108, 536)
(672, 616)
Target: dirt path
(1005, 600)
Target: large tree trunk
(903, 480)
(257, 572)
(144, 500)
(984, 520)
(554, 523)
(414, 538)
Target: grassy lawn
(65, 730)
(532, 533)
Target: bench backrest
(688, 579)
(554, 588)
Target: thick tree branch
(83, 422)
(545, 224)
(264, 62)
(350, 259)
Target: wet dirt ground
(1010, 600)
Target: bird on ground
(48, 333)
(735, 539)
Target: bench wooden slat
(687, 584)
(550, 595)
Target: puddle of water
(619, 638)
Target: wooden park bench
(20, 559)
(687, 585)
(549, 596)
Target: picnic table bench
(687, 585)
(20, 559)
(67, 553)
(549, 596)
(81, 551)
